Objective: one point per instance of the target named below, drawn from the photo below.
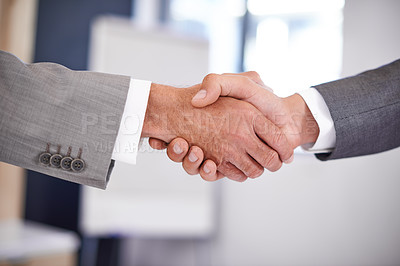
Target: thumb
(214, 86)
(210, 90)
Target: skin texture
(290, 114)
(233, 134)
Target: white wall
(344, 212)
(371, 34)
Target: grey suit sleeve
(365, 110)
(48, 103)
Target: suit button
(55, 160)
(77, 165)
(44, 158)
(66, 163)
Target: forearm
(72, 111)
(365, 109)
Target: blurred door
(17, 31)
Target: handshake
(230, 125)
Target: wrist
(169, 112)
(302, 119)
(159, 108)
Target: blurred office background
(344, 212)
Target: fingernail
(200, 95)
(290, 160)
(193, 157)
(177, 149)
(206, 170)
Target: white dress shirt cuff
(127, 143)
(326, 140)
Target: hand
(193, 163)
(232, 133)
(290, 114)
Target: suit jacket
(47, 109)
(366, 112)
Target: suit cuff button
(44, 158)
(55, 160)
(77, 165)
(66, 163)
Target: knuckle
(260, 123)
(252, 170)
(282, 145)
(230, 171)
(276, 167)
(271, 161)
(210, 77)
(238, 177)
(248, 168)
(279, 138)
(241, 179)
(224, 168)
(256, 173)
(254, 74)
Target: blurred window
(292, 44)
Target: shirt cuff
(326, 140)
(127, 142)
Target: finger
(177, 149)
(214, 86)
(209, 172)
(274, 138)
(232, 172)
(192, 161)
(248, 166)
(157, 144)
(267, 157)
(253, 75)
